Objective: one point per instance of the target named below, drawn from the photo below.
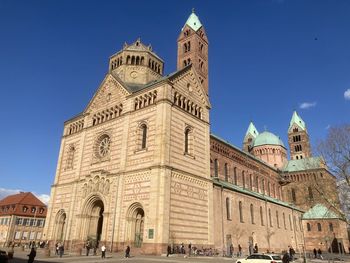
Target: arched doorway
(60, 224)
(93, 214)
(135, 224)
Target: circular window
(103, 146)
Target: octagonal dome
(267, 138)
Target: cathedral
(140, 167)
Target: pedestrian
(87, 248)
(61, 250)
(168, 251)
(285, 258)
(319, 253)
(239, 250)
(231, 250)
(250, 248)
(95, 249)
(315, 253)
(127, 252)
(291, 253)
(32, 255)
(56, 250)
(189, 249)
(256, 249)
(103, 251)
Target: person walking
(315, 253)
(285, 258)
(87, 248)
(32, 255)
(103, 251)
(231, 250)
(168, 251)
(127, 252)
(256, 249)
(239, 250)
(319, 253)
(56, 248)
(61, 250)
(189, 249)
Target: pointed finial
(193, 10)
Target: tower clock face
(134, 74)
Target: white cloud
(307, 105)
(5, 192)
(347, 94)
(43, 198)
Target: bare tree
(335, 150)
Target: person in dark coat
(127, 252)
(32, 255)
(168, 251)
(285, 258)
(315, 253)
(61, 250)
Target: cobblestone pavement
(21, 257)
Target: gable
(110, 93)
(187, 84)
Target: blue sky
(266, 58)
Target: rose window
(103, 146)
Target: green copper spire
(193, 21)
(252, 130)
(297, 120)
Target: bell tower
(298, 138)
(192, 48)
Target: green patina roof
(297, 120)
(193, 21)
(267, 138)
(252, 130)
(320, 212)
(303, 164)
(246, 191)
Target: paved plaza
(21, 257)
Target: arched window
(331, 227)
(216, 168)
(294, 198)
(70, 157)
(284, 220)
(144, 136)
(250, 182)
(243, 179)
(252, 214)
(277, 220)
(240, 211)
(226, 172)
(261, 216)
(187, 133)
(308, 227)
(319, 228)
(228, 208)
(290, 223)
(270, 219)
(235, 175)
(257, 184)
(263, 186)
(311, 196)
(269, 188)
